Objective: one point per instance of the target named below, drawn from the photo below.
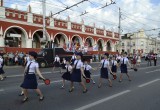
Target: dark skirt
(104, 73)
(1, 71)
(67, 76)
(124, 68)
(76, 75)
(72, 61)
(87, 73)
(114, 69)
(57, 64)
(30, 82)
(63, 66)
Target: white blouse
(114, 62)
(79, 64)
(1, 62)
(73, 57)
(32, 67)
(125, 60)
(69, 67)
(56, 59)
(106, 63)
(87, 67)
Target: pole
(44, 18)
(119, 30)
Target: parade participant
(77, 73)
(63, 64)
(87, 73)
(118, 58)
(30, 81)
(104, 70)
(124, 61)
(155, 59)
(114, 66)
(1, 69)
(73, 59)
(67, 74)
(138, 60)
(57, 63)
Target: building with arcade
(24, 29)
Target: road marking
(152, 71)
(1, 90)
(11, 76)
(145, 84)
(102, 100)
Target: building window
(134, 44)
(142, 43)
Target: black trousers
(155, 62)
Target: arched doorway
(76, 42)
(38, 40)
(60, 40)
(15, 37)
(100, 44)
(109, 48)
(89, 43)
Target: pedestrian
(30, 81)
(104, 70)
(139, 60)
(73, 59)
(57, 63)
(155, 59)
(77, 73)
(1, 69)
(149, 59)
(114, 66)
(134, 61)
(67, 74)
(124, 61)
(87, 72)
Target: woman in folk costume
(67, 74)
(139, 60)
(30, 80)
(87, 72)
(124, 61)
(57, 63)
(77, 73)
(104, 70)
(73, 59)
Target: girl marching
(63, 64)
(67, 74)
(124, 61)
(30, 81)
(57, 63)
(104, 70)
(73, 59)
(77, 73)
(114, 66)
(87, 72)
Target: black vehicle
(46, 56)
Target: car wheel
(42, 64)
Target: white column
(30, 17)
(29, 43)
(69, 25)
(1, 41)
(95, 30)
(83, 28)
(2, 12)
(51, 22)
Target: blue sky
(136, 14)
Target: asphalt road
(142, 93)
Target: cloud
(136, 14)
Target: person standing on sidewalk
(1, 69)
(155, 59)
